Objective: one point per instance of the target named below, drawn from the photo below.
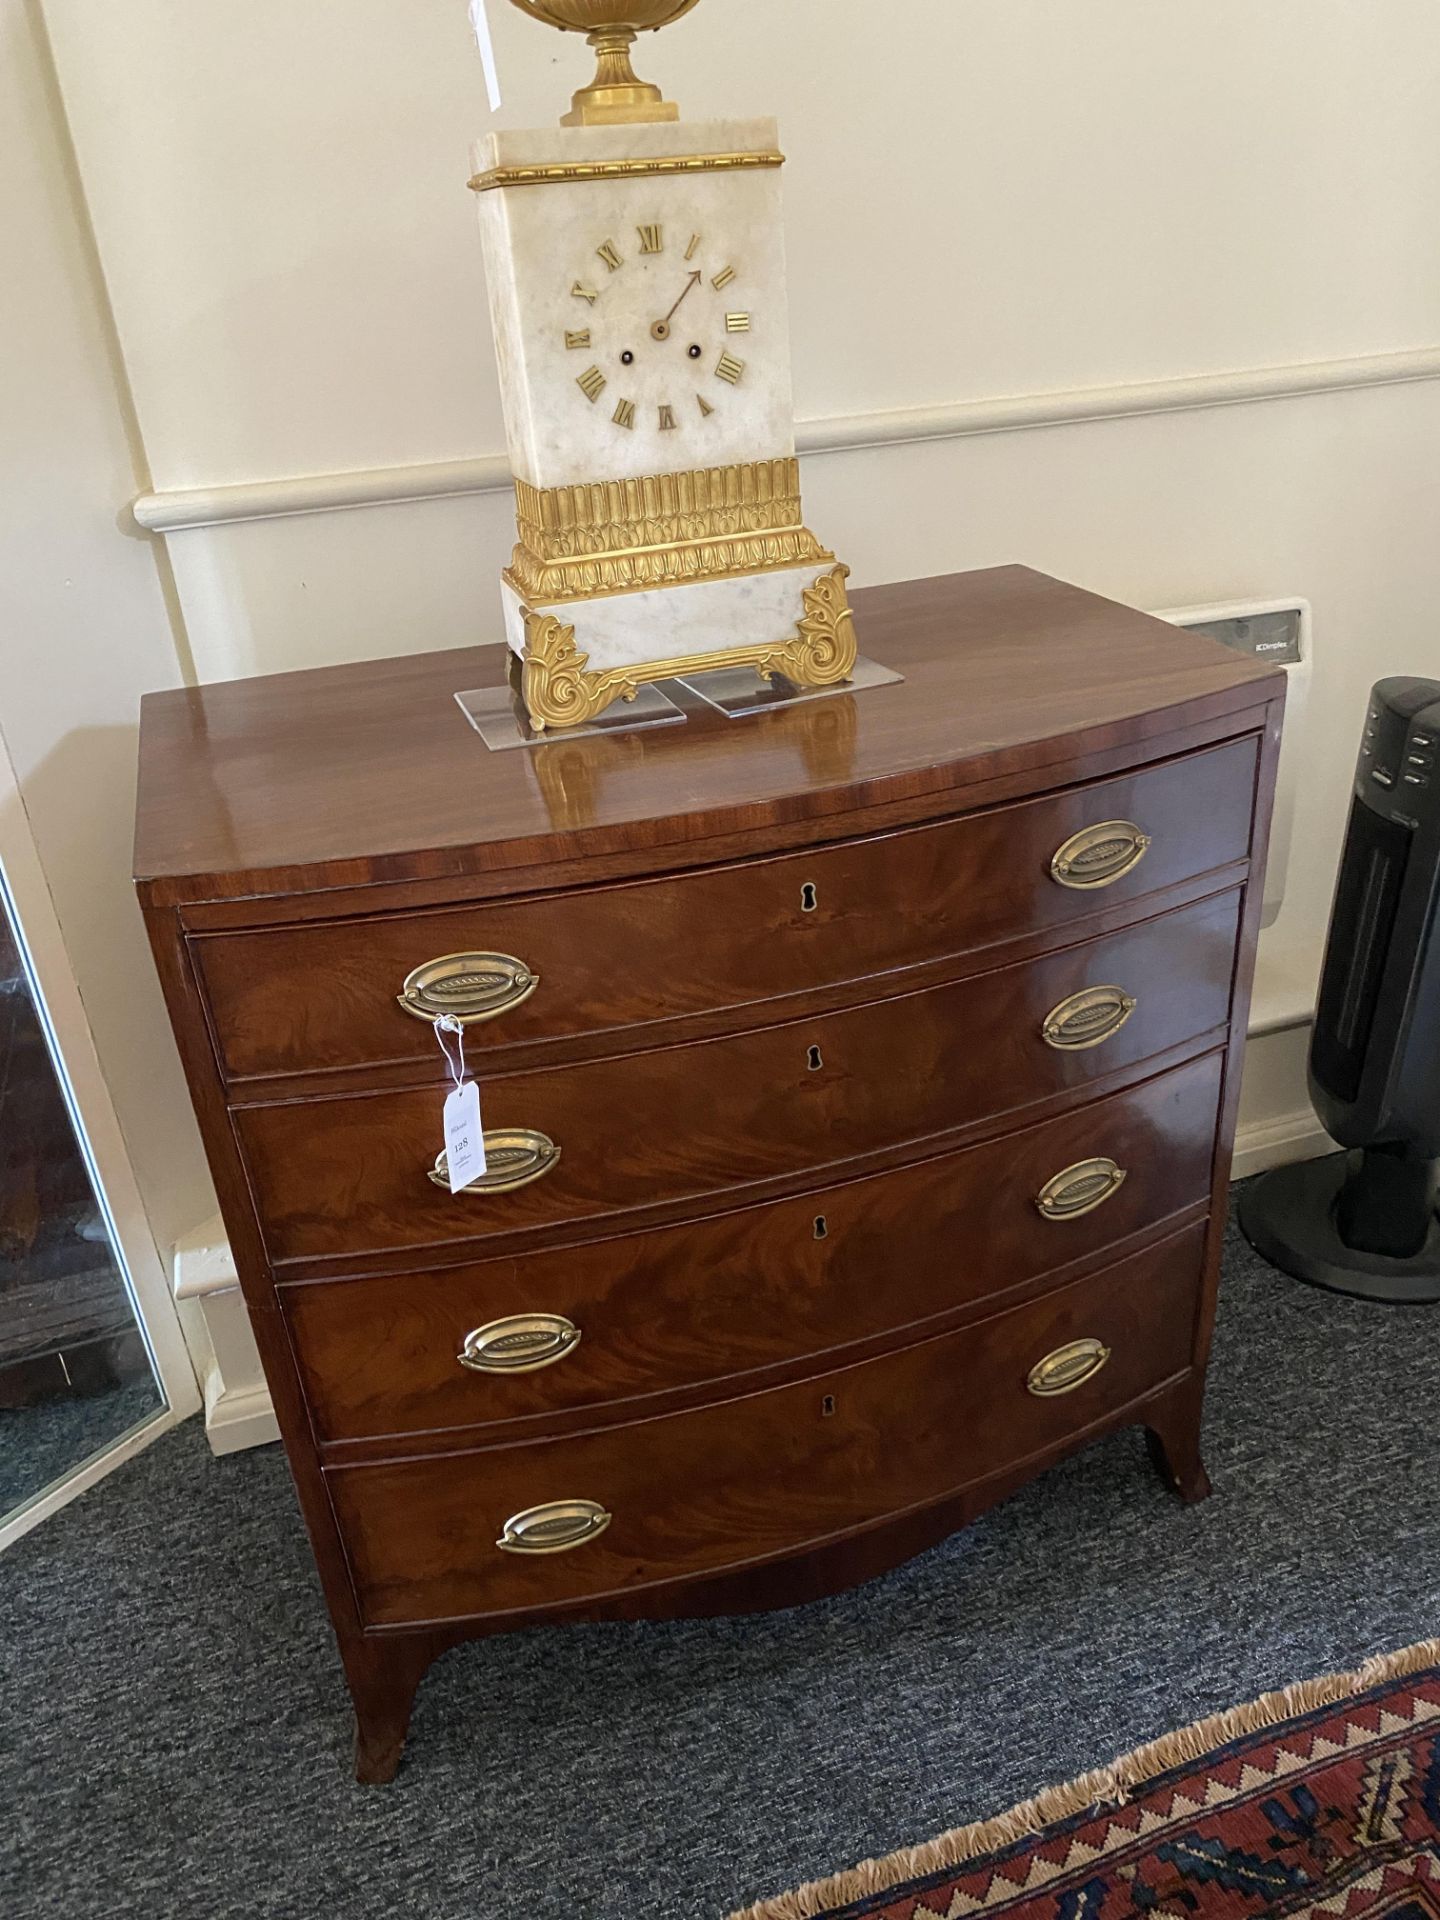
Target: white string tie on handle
(445, 1025)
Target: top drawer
(327, 995)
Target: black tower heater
(1363, 1221)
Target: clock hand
(693, 281)
(661, 328)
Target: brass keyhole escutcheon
(813, 1060)
(827, 1405)
(822, 1226)
(809, 898)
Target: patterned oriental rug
(1322, 1803)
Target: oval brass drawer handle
(1087, 1018)
(1080, 1189)
(470, 987)
(1099, 856)
(1066, 1368)
(521, 1343)
(554, 1528)
(514, 1156)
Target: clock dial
(658, 337)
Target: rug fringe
(1106, 1786)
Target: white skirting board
(238, 1418)
(238, 1412)
(1276, 1143)
(1277, 1125)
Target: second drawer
(624, 1318)
(339, 1178)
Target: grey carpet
(175, 1741)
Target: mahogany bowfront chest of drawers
(859, 1081)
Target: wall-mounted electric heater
(1279, 633)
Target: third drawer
(616, 1320)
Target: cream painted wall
(84, 625)
(986, 199)
(984, 196)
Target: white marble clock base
(674, 623)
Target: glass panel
(75, 1369)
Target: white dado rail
(183, 508)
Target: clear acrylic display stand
(738, 691)
(498, 715)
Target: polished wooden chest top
(859, 1078)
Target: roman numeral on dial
(737, 323)
(608, 254)
(591, 383)
(730, 369)
(723, 279)
(652, 239)
(624, 415)
(705, 407)
(581, 339)
(581, 292)
(667, 419)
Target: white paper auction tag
(481, 24)
(464, 1136)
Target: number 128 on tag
(464, 1136)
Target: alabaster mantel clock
(636, 267)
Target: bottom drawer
(710, 1490)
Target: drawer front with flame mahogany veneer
(618, 960)
(346, 1177)
(586, 1329)
(666, 1500)
(859, 1082)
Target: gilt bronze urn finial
(615, 97)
